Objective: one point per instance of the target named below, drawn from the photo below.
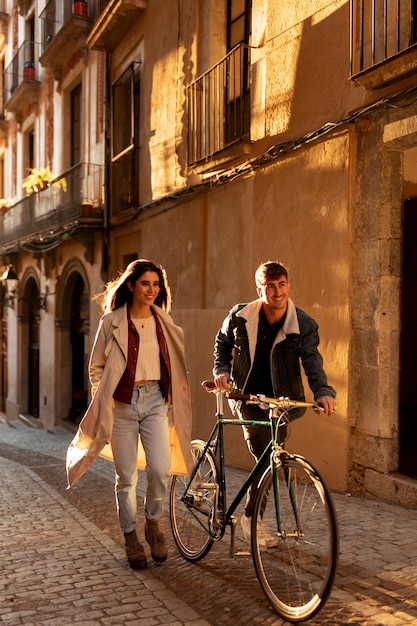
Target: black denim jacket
(296, 343)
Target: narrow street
(63, 559)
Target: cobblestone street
(63, 558)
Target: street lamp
(10, 280)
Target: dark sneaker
(135, 551)
(156, 540)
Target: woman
(139, 387)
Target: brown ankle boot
(134, 551)
(156, 540)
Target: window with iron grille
(381, 30)
(219, 99)
(125, 140)
(237, 94)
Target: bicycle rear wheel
(190, 516)
(295, 509)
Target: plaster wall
(295, 211)
(290, 65)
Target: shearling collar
(251, 311)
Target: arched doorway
(72, 323)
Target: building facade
(210, 136)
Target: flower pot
(29, 71)
(87, 209)
(80, 7)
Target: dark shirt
(260, 380)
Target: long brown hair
(117, 292)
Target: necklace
(142, 321)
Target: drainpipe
(106, 217)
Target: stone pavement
(63, 560)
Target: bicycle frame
(215, 443)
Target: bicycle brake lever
(209, 385)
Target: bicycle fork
(276, 465)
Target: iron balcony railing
(98, 7)
(56, 14)
(380, 29)
(219, 106)
(23, 66)
(75, 195)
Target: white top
(148, 365)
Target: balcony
(73, 202)
(383, 41)
(111, 21)
(219, 112)
(21, 81)
(3, 18)
(64, 29)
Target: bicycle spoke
(297, 568)
(191, 511)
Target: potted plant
(4, 206)
(42, 178)
(87, 208)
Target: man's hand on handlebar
(328, 404)
(223, 381)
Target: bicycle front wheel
(294, 539)
(191, 509)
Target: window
(382, 34)
(238, 22)
(76, 125)
(237, 95)
(28, 150)
(30, 38)
(31, 149)
(219, 100)
(125, 140)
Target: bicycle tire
(297, 567)
(190, 520)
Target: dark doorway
(79, 310)
(33, 357)
(3, 365)
(408, 344)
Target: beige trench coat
(94, 433)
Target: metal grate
(380, 29)
(219, 106)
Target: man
(259, 347)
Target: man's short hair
(270, 270)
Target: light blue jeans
(147, 416)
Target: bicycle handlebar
(282, 403)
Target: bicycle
(297, 569)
